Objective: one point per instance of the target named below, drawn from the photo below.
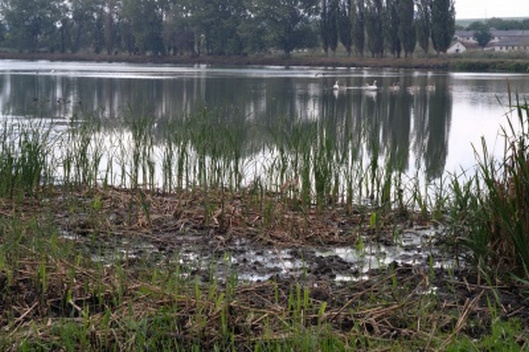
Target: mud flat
(98, 268)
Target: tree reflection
(382, 128)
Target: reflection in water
(402, 129)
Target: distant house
(464, 36)
(510, 43)
(502, 40)
(458, 47)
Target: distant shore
(433, 63)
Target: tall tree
(289, 24)
(407, 32)
(324, 25)
(177, 33)
(32, 23)
(145, 19)
(2, 30)
(345, 25)
(374, 27)
(482, 34)
(443, 24)
(217, 22)
(64, 28)
(358, 14)
(333, 24)
(83, 24)
(423, 24)
(98, 36)
(251, 29)
(391, 25)
(111, 21)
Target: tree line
(226, 27)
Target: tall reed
(494, 206)
(25, 158)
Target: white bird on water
(337, 86)
(372, 86)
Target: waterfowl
(395, 87)
(372, 86)
(430, 88)
(413, 89)
(337, 86)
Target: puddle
(252, 262)
(414, 247)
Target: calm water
(429, 131)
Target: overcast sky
(491, 8)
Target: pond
(417, 130)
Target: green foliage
(2, 30)
(145, 20)
(231, 27)
(177, 33)
(374, 27)
(506, 24)
(423, 23)
(443, 24)
(482, 34)
(218, 22)
(359, 20)
(503, 336)
(406, 28)
(288, 23)
(31, 23)
(324, 25)
(332, 24)
(24, 166)
(495, 204)
(392, 27)
(345, 25)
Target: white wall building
(502, 40)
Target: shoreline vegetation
(88, 265)
(480, 63)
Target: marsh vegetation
(137, 246)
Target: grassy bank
(92, 242)
(484, 62)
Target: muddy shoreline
(442, 62)
(136, 247)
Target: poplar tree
(423, 23)
(443, 24)
(324, 26)
(407, 32)
(392, 23)
(358, 15)
(333, 24)
(345, 25)
(374, 28)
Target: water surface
(431, 131)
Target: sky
(491, 8)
